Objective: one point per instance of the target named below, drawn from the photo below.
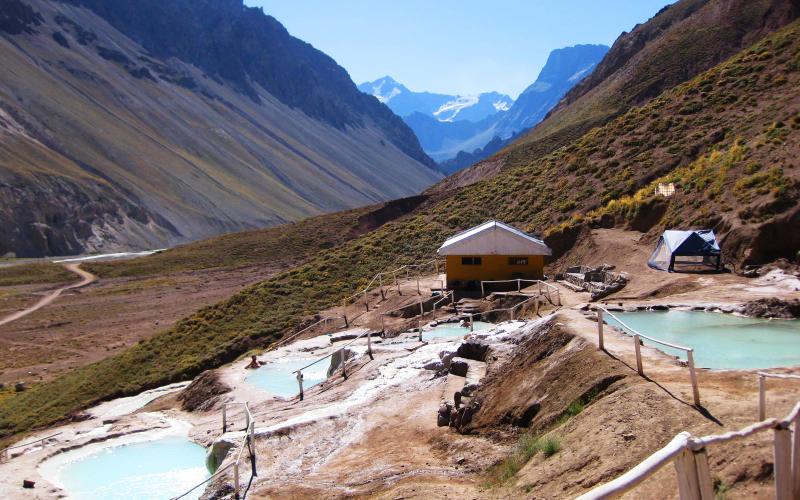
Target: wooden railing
(691, 462)
(510, 310)
(299, 372)
(549, 289)
(248, 442)
(4, 452)
(293, 336)
(637, 347)
(762, 393)
(393, 277)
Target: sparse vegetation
(35, 273)
(527, 447)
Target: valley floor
(88, 324)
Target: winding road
(86, 278)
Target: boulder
(459, 367)
(434, 365)
(28, 484)
(473, 349)
(443, 417)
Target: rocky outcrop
(772, 308)
(204, 392)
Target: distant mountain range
(145, 124)
(441, 107)
(460, 130)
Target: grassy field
(282, 245)
(724, 119)
(35, 274)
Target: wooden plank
(688, 484)
(705, 483)
(783, 464)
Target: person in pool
(254, 363)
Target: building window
(517, 261)
(470, 261)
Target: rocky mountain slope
(727, 138)
(680, 41)
(145, 124)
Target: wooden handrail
(4, 451)
(691, 461)
(637, 349)
(247, 441)
(519, 282)
(762, 389)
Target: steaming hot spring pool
(278, 378)
(452, 330)
(149, 470)
(720, 341)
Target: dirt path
(86, 278)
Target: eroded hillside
(119, 133)
(679, 42)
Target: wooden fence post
(693, 377)
(796, 457)
(236, 480)
(397, 284)
(762, 398)
(418, 290)
(224, 419)
(344, 373)
(688, 484)
(369, 345)
(783, 463)
(483, 292)
(436, 265)
(366, 300)
(344, 313)
(300, 383)
(471, 323)
(519, 286)
(704, 481)
(637, 345)
(600, 329)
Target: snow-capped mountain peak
(442, 107)
(384, 89)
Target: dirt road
(86, 276)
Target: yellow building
(492, 251)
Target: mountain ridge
(106, 146)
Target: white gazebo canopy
(494, 238)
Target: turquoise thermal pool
(150, 470)
(452, 330)
(278, 377)
(720, 341)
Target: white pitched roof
(494, 238)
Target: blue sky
(454, 46)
